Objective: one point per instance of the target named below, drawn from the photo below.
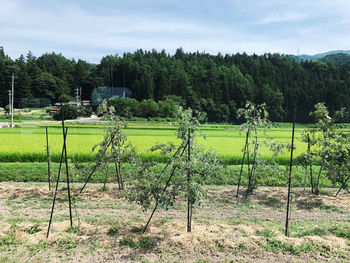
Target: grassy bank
(37, 172)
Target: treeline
(339, 60)
(216, 84)
(148, 108)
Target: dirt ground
(106, 228)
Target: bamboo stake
(95, 167)
(246, 193)
(290, 177)
(57, 182)
(67, 171)
(189, 202)
(342, 187)
(165, 187)
(48, 159)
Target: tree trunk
(120, 175)
(246, 193)
(317, 188)
(240, 173)
(254, 169)
(251, 174)
(117, 174)
(104, 183)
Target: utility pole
(12, 93)
(10, 98)
(124, 86)
(77, 95)
(112, 76)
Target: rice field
(29, 144)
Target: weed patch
(34, 229)
(66, 244)
(342, 231)
(146, 243)
(265, 233)
(313, 232)
(277, 246)
(129, 242)
(113, 231)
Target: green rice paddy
(29, 144)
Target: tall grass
(37, 172)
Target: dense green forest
(217, 84)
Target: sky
(91, 29)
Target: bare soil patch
(109, 229)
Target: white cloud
(282, 17)
(75, 28)
(253, 27)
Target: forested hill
(320, 55)
(338, 60)
(217, 84)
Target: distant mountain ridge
(321, 55)
(337, 57)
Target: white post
(10, 101)
(13, 90)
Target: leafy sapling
(325, 133)
(328, 147)
(306, 160)
(186, 172)
(256, 116)
(339, 162)
(114, 148)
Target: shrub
(147, 108)
(124, 106)
(7, 109)
(84, 112)
(69, 111)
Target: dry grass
(224, 229)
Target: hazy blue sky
(90, 29)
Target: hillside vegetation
(216, 84)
